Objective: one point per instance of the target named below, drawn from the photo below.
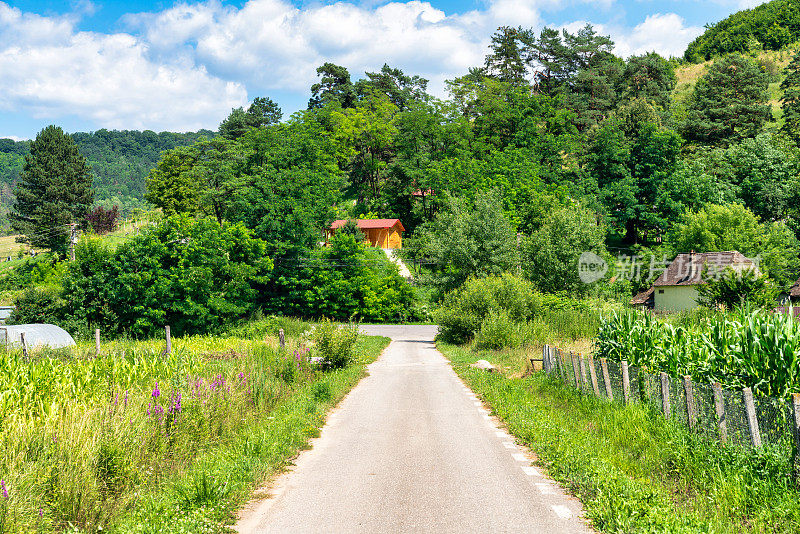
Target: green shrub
(498, 331)
(334, 344)
(42, 269)
(464, 312)
(38, 305)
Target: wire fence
(730, 416)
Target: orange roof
(368, 224)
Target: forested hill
(770, 26)
(120, 162)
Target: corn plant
(753, 349)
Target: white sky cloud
(51, 70)
(185, 67)
(666, 34)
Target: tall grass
(633, 470)
(84, 437)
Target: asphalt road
(410, 449)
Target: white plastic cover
(36, 335)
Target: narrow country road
(411, 450)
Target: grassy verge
(136, 441)
(634, 471)
(205, 496)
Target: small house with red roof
(381, 233)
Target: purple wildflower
(41, 513)
(5, 491)
(156, 392)
(126, 397)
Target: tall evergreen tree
(729, 103)
(790, 103)
(594, 94)
(263, 112)
(334, 85)
(505, 62)
(55, 190)
(650, 77)
(549, 56)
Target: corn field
(754, 349)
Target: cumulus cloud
(186, 66)
(272, 44)
(666, 34)
(51, 70)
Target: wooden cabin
(381, 233)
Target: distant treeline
(120, 162)
(770, 26)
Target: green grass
(83, 446)
(633, 470)
(688, 74)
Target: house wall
(675, 298)
(395, 239)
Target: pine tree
(55, 190)
(790, 103)
(729, 103)
(505, 62)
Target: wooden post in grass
(575, 370)
(752, 418)
(545, 363)
(582, 363)
(97, 341)
(282, 338)
(796, 432)
(691, 409)
(24, 345)
(606, 378)
(626, 382)
(719, 408)
(665, 394)
(562, 370)
(593, 375)
(169, 340)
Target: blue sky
(181, 66)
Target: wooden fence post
(562, 370)
(575, 370)
(796, 432)
(665, 394)
(626, 382)
(719, 408)
(282, 338)
(24, 345)
(545, 360)
(97, 340)
(582, 363)
(593, 375)
(691, 408)
(752, 418)
(606, 378)
(169, 340)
